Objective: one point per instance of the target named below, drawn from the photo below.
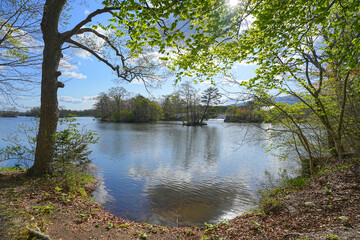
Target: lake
(169, 174)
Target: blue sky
(85, 77)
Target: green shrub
(71, 154)
(296, 183)
(72, 146)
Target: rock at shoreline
(91, 186)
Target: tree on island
(210, 97)
(117, 108)
(117, 95)
(194, 112)
(172, 106)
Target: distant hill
(287, 99)
(284, 99)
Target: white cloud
(89, 39)
(27, 40)
(244, 63)
(69, 99)
(81, 53)
(65, 65)
(74, 75)
(137, 81)
(207, 83)
(86, 12)
(232, 81)
(247, 23)
(89, 98)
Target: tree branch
(79, 45)
(107, 40)
(68, 34)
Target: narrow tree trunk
(205, 111)
(49, 113)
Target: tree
(231, 113)
(210, 97)
(132, 66)
(172, 106)
(145, 110)
(292, 43)
(103, 105)
(249, 113)
(19, 47)
(191, 101)
(301, 55)
(117, 95)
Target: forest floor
(327, 207)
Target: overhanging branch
(81, 46)
(106, 39)
(68, 34)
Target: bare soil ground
(28, 203)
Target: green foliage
(344, 218)
(332, 236)
(143, 236)
(145, 110)
(273, 191)
(72, 146)
(248, 113)
(43, 210)
(185, 104)
(13, 168)
(140, 235)
(84, 216)
(71, 159)
(172, 106)
(189, 232)
(307, 50)
(256, 226)
(110, 225)
(270, 204)
(113, 107)
(296, 183)
(20, 146)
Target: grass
(272, 196)
(16, 210)
(12, 168)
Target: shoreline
(29, 203)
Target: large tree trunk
(49, 113)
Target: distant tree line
(35, 112)
(9, 113)
(249, 113)
(185, 104)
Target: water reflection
(185, 204)
(170, 174)
(174, 175)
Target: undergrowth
(274, 191)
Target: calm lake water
(170, 174)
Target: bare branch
(107, 40)
(68, 34)
(81, 46)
